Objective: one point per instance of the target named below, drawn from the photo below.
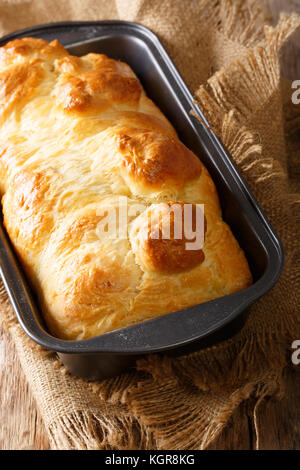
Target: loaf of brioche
(79, 139)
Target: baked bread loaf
(79, 139)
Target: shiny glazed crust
(77, 136)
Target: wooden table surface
(277, 422)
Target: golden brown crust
(80, 139)
(27, 199)
(92, 85)
(30, 47)
(158, 241)
(155, 158)
(17, 83)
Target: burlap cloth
(230, 60)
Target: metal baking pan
(184, 330)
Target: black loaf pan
(195, 327)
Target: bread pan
(194, 327)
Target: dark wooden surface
(21, 426)
(277, 422)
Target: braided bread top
(79, 139)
